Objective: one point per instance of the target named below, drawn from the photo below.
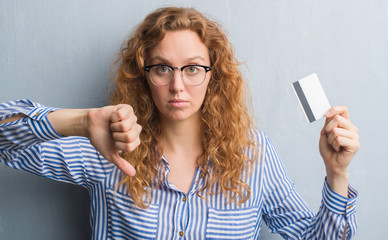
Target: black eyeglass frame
(207, 69)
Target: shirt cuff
(40, 125)
(337, 203)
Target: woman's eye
(162, 69)
(192, 70)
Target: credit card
(311, 97)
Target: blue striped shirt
(31, 144)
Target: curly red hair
(226, 123)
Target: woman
(187, 161)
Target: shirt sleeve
(286, 213)
(32, 144)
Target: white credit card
(311, 97)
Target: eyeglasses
(162, 74)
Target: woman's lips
(178, 103)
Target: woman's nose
(177, 83)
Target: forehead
(180, 46)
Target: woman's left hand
(338, 144)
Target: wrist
(82, 119)
(338, 182)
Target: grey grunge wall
(59, 53)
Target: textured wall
(59, 53)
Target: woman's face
(178, 101)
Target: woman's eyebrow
(158, 58)
(164, 60)
(196, 58)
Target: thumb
(123, 165)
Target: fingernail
(328, 113)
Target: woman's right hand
(113, 129)
(110, 129)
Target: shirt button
(184, 199)
(201, 175)
(181, 233)
(350, 207)
(36, 114)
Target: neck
(182, 136)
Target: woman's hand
(114, 129)
(338, 144)
(110, 129)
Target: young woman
(187, 161)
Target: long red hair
(226, 123)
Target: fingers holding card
(339, 139)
